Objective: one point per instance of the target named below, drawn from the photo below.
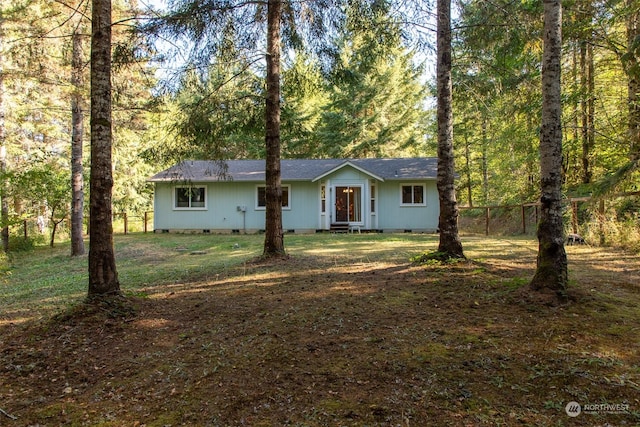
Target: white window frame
(286, 208)
(412, 185)
(189, 208)
(373, 193)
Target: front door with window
(348, 204)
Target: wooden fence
(126, 220)
(572, 203)
(487, 213)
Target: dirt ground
(310, 341)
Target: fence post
(524, 219)
(601, 221)
(574, 216)
(486, 225)
(126, 225)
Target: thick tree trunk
(103, 277)
(274, 239)
(551, 272)
(77, 129)
(450, 244)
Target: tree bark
(103, 276)
(467, 159)
(551, 271)
(450, 244)
(632, 69)
(274, 238)
(77, 130)
(4, 203)
(485, 162)
(587, 83)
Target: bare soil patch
(316, 341)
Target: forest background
(367, 92)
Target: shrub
(21, 244)
(4, 263)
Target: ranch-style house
(382, 195)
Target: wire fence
(587, 215)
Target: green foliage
(377, 100)
(5, 266)
(218, 114)
(36, 95)
(21, 244)
(498, 102)
(304, 94)
(366, 101)
(376, 111)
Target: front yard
(345, 332)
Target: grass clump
(435, 258)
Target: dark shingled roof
(297, 169)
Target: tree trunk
(485, 162)
(587, 106)
(467, 158)
(103, 277)
(77, 129)
(632, 69)
(4, 203)
(450, 244)
(274, 239)
(551, 271)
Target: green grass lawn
(46, 279)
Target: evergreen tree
(77, 145)
(4, 204)
(304, 95)
(551, 270)
(450, 245)
(274, 234)
(377, 100)
(103, 275)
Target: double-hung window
(412, 195)
(261, 197)
(190, 197)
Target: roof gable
(341, 166)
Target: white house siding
(303, 214)
(222, 213)
(304, 202)
(392, 216)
